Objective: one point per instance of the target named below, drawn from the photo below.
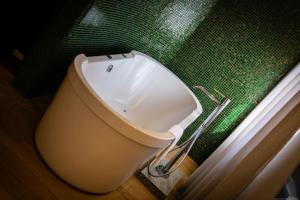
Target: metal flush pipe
(165, 170)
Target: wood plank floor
(23, 175)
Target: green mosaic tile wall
(242, 48)
(158, 28)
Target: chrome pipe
(186, 149)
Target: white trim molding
(244, 140)
(269, 181)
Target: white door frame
(212, 170)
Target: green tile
(242, 48)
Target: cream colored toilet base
(84, 150)
(110, 116)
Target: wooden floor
(23, 175)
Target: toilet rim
(124, 127)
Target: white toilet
(110, 115)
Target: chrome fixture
(164, 170)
